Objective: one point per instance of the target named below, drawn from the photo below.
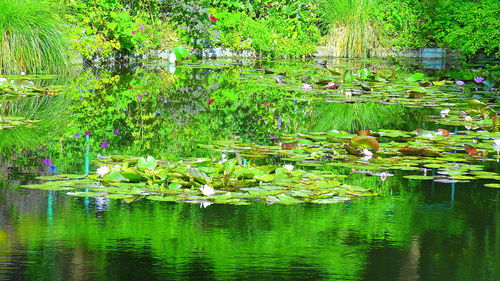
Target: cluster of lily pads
(11, 89)
(205, 181)
(439, 155)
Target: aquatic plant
(32, 37)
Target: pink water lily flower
(479, 80)
(306, 87)
(460, 83)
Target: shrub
(32, 37)
(471, 26)
(104, 28)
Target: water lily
(213, 19)
(383, 176)
(139, 97)
(306, 87)
(116, 132)
(289, 167)
(104, 144)
(479, 80)
(468, 118)
(47, 162)
(141, 27)
(101, 171)
(272, 137)
(496, 143)
(77, 136)
(444, 112)
(87, 133)
(133, 32)
(3, 80)
(207, 190)
(460, 83)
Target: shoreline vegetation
(117, 30)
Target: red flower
(211, 101)
(212, 18)
(130, 87)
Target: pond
(301, 190)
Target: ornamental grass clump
(353, 30)
(32, 37)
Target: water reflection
(417, 231)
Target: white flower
(23, 73)
(3, 80)
(207, 190)
(223, 158)
(348, 95)
(368, 154)
(497, 142)
(383, 176)
(444, 112)
(101, 171)
(468, 118)
(289, 167)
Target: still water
(418, 230)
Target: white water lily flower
(223, 159)
(497, 142)
(383, 176)
(444, 112)
(468, 118)
(289, 167)
(348, 95)
(207, 190)
(101, 171)
(3, 80)
(23, 73)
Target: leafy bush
(281, 31)
(107, 27)
(471, 26)
(32, 37)
(404, 23)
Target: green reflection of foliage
(51, 113)
(367, 116)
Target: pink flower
(87, 133)
(460, 83)
(272, 137)
(266, 104)
(117, 132)
(479, 80)
(133, 32)
(139, 97)
(213, 19)
(306, 87)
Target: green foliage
(107, 27)
(404, 23)
(32, 37)
(471, 26)
(277, 34)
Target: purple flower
(77, 136)
(87, 133)
(272, 137)
(47, 162)
(306, 87)
(460, 83)
(479, 80)
(139, 97)
(141, 27)
(104, 144)
(117, 132)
